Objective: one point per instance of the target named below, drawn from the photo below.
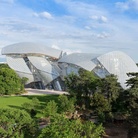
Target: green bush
(10, 83)
(16, 124)
(50, 109)
(62, 127)
(66, 104)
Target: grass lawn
(17, 101)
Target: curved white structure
(35, 62)
(30, 49)
(45, 67)
(82, 60)
(119, 64)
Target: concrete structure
(46, 67)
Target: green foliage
(31, 107)
(24, 80)
(10, 83)
(88, 82)
(82, 86)
(4, 66)
(71, 82)
(110, 88)
(90, 130)
(122, 103)
(133, 90)
(133, 81)
(16, 124)
(50, 109)
(99, 104)
(65, 104)
(64, 128)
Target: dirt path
(115, 131)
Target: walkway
(30, 91)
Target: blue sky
(94, 26)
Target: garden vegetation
(69, 116)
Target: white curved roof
(83, 60)
(30, 48)
(118, 63)
(20, 67)
(45, 68)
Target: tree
(132, 83)
(99, 104)
(62, 127)
(71, 82)
(82, 86)
(66, 104)
(16, 124)
(50, 109)
(24, 80)
(110, 88)
(10, 83)
(4, 66)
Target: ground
(115, 131)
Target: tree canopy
(16, 124)
(62, 127)
(110, 87)
(83, 84)
(10, 83)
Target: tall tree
(133, 90)
(110, 87)
(99, 103)
(133, 81)
(82, 85)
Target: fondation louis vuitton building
(46, 67)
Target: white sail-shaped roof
(83, 60)
(19, 65)
(30, 48)
(48, 73)
(118, 63)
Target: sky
(88, 26)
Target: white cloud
(101, 19)
(45, 15)
(127, 5)
(66, 51)
(87, 27)
(56, 47)
(103, 35)
(94, 17)
(69, 51)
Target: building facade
(46, 67)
